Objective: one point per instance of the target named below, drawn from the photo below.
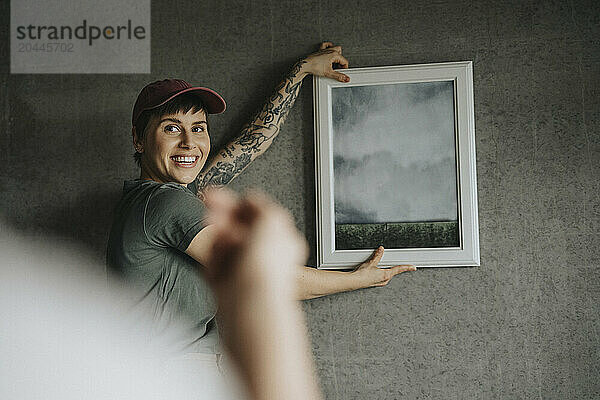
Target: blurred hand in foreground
(252, 268)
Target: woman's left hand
(370, 275)
(321, 63)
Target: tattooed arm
(258, 134)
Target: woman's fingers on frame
(338, 76)
(336, 48)
(329, 46)
(398, 269)
(341, 60)
(376, 256)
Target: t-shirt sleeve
(173, 217)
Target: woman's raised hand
(321, 62)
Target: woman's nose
(187, 141)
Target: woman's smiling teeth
(185, 161)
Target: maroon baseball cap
(159, 92)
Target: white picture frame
(396, 95)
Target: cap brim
(214, 103)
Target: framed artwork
(395, 166)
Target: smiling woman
(184, 103)
(174, 148)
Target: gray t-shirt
(153, 226)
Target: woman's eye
(172, 128)
(198, 129)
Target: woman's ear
(137, 144)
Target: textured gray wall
(523, 325)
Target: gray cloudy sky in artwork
(393, 149)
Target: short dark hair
(184, 103)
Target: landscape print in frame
(396, 166)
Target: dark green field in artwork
(397, 235)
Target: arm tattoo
(291, 90)
(256, 136)
(222, 173)
(266, 123)
(253, 137)
(227, 151)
